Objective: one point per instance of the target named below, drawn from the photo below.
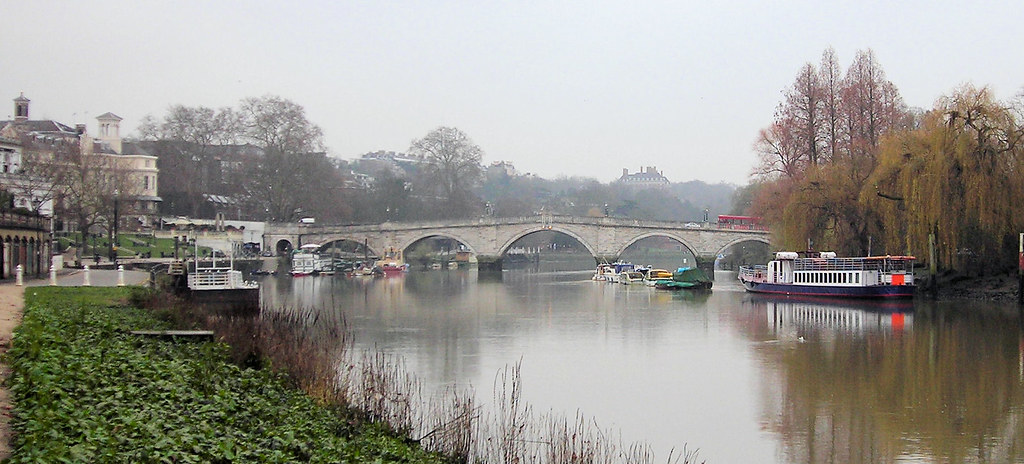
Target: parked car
(691, 225)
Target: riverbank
(87, 390)
(951, 285)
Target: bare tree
(830, 75)
(186, 139)
(280, 125)
(294, 177)
(453, 162)
(803, 109)
(779, 152)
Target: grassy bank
(87, 391)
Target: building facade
(124, 167)
(645, 177)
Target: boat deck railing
(217, 280)
(883, 264)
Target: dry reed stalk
(320, 359)
(453, 419)
(386, 391)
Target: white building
(22, 138)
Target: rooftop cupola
(21, 108)
(110, 131)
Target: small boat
(685, 278)
(391, 264)
(603, 273)
(391, 269)
(823, 274)
(654, 275)
(361, 271)
(631, 277)
(324, 265)
(304, 262)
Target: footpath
(12, 304)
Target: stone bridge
(489, 238)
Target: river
(742, 378)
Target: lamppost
(113, 238)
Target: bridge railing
(550, 219)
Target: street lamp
(113, 238)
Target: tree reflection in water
(864, 383)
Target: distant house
(645, 177)
(505, 167)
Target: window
(145, 181)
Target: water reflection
(868, 383)
(743, 377)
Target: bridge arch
(640, 237)
(336, 238)
(759, 239)
(415, 238)
(545, 228)
(283, 246)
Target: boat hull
(676, 285)
(872, 291)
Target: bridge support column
(706, 263)
(603, 259)
(488, 263)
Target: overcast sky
(563, 88)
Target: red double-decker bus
(740, 222)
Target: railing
(217, 280)
(758, 273)
(546, 219)
(885, 264)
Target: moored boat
(654, 275)
(304, 263)
(391, 264)
(603, 273)
(631, 277)
(685, 278)
(824, 274)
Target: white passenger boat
(824, 274)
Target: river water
(740, 377)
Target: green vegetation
(128, 245)
(88, 391)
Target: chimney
(625, 172)
(80, 129)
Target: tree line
(264, 160)
(847, 165)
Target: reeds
(319, 357)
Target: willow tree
(960, 176)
